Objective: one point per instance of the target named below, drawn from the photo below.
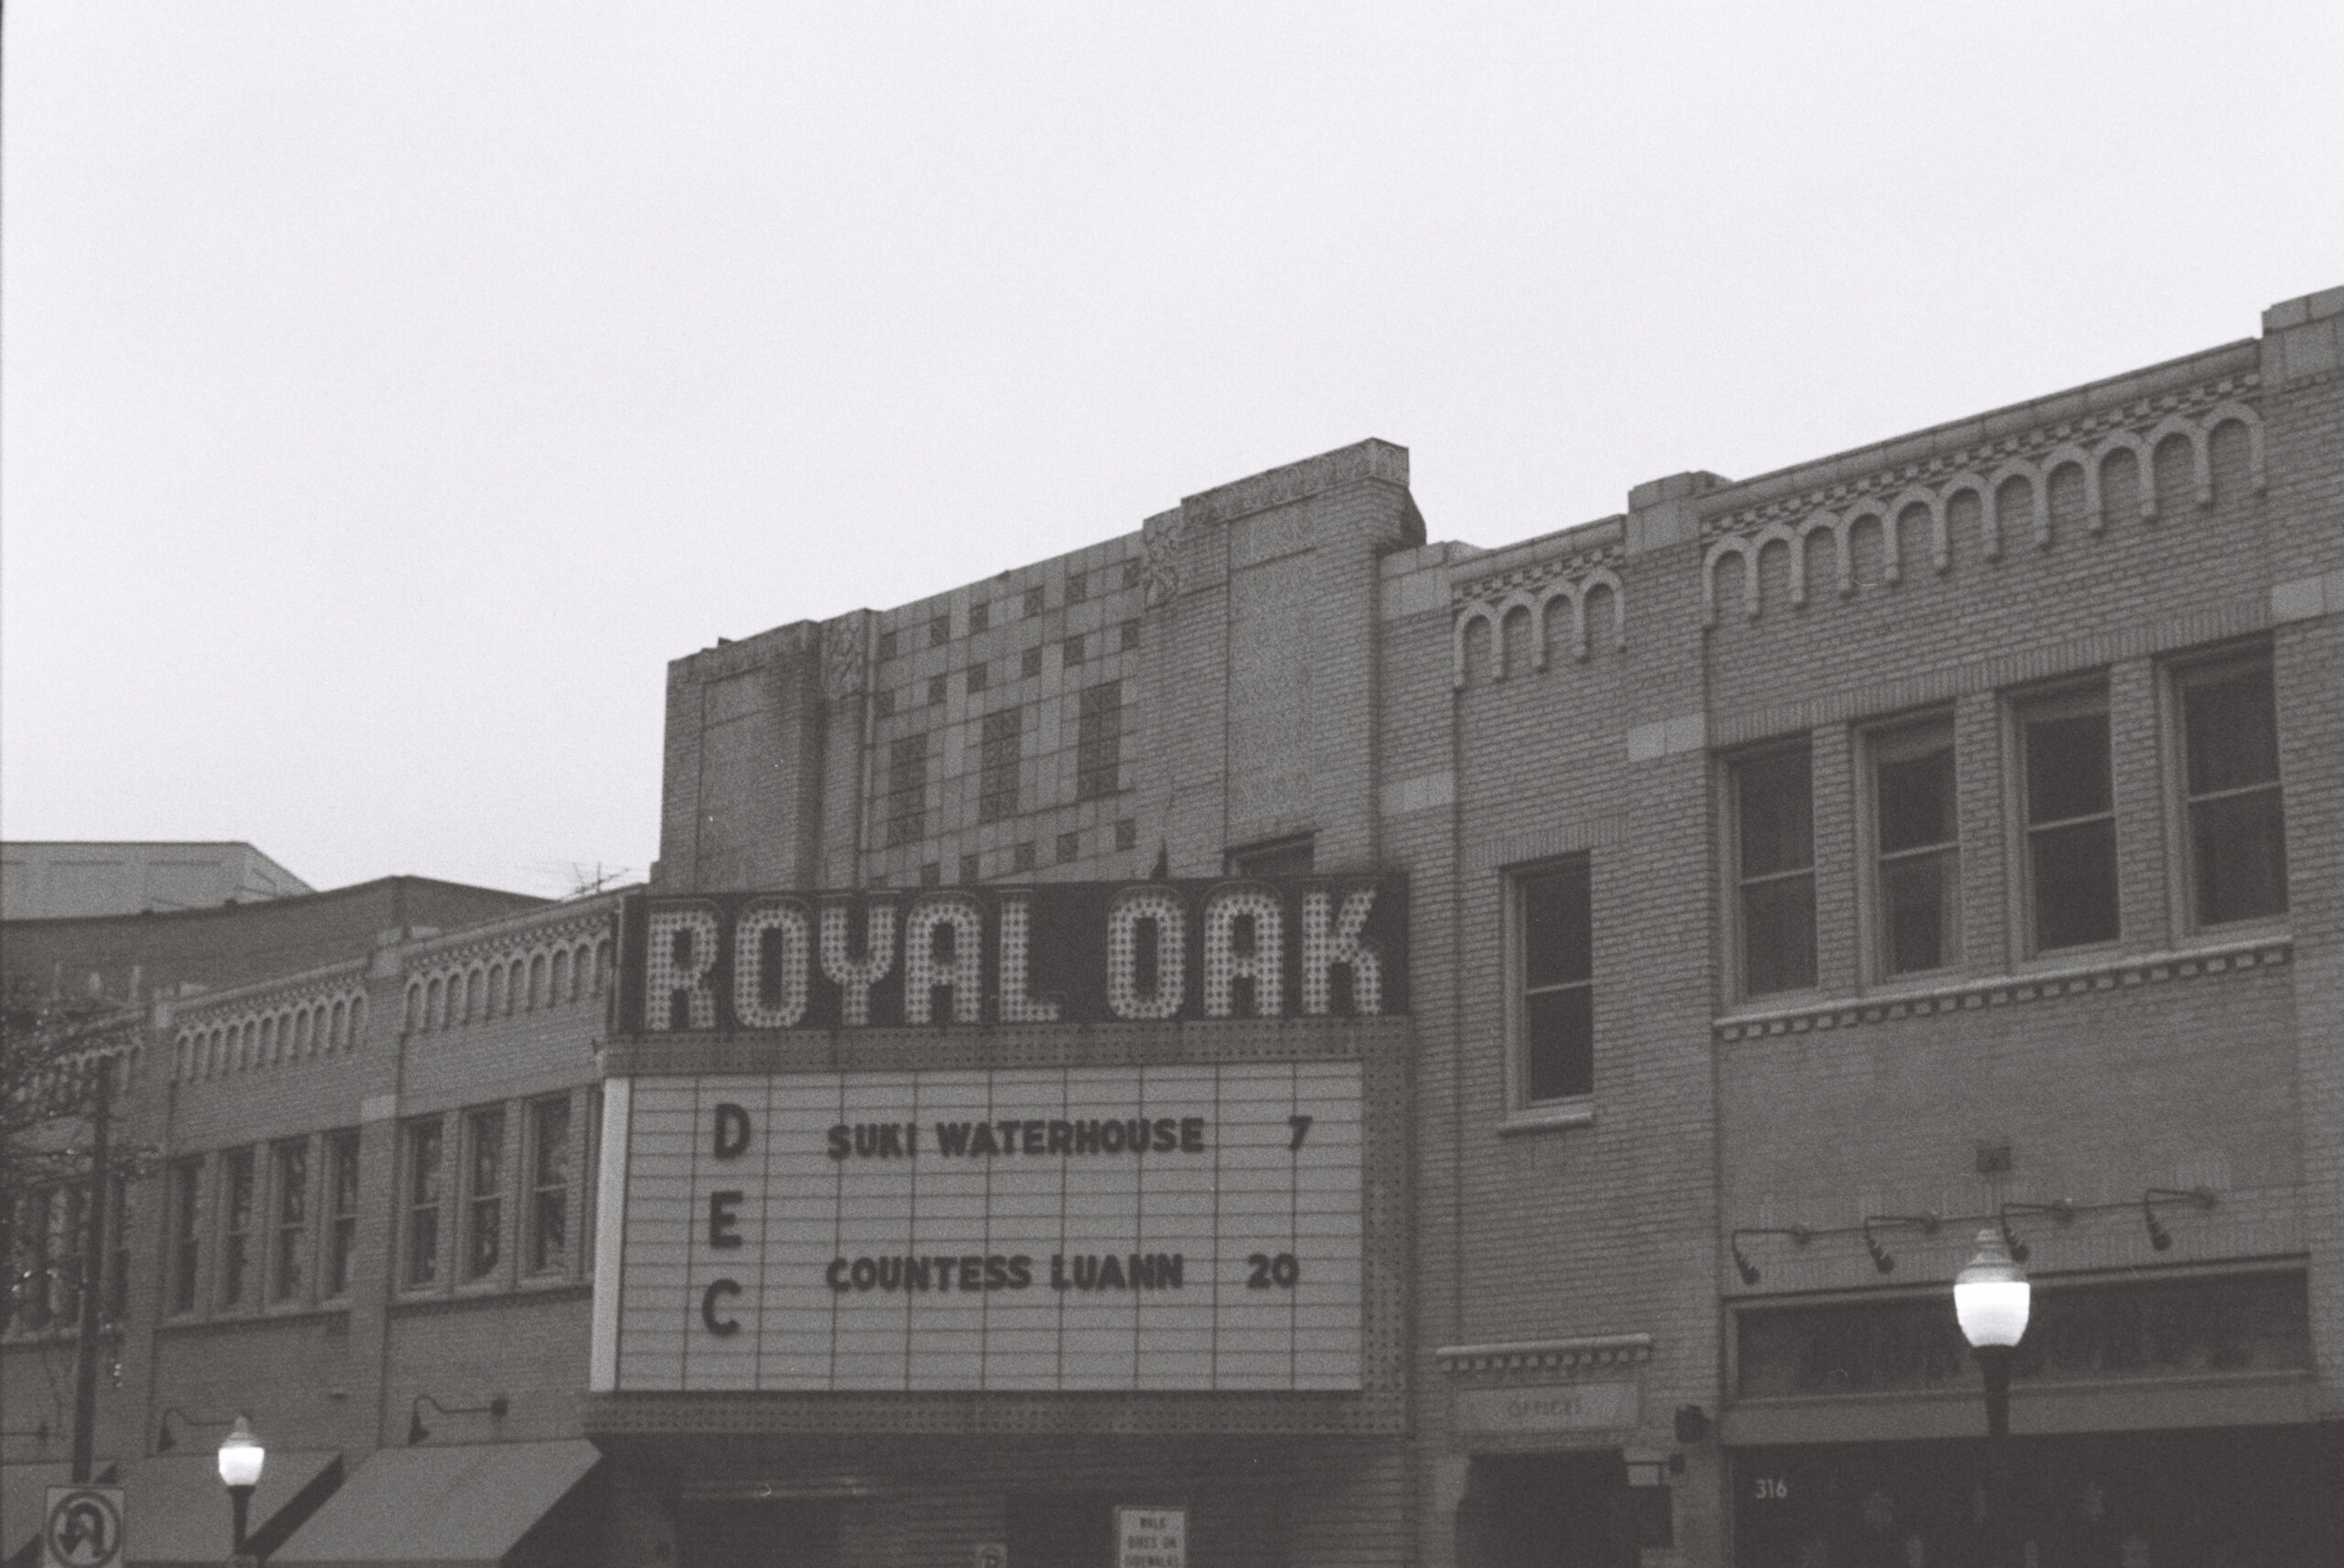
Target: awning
(454, 1507)
(24, 1492)
(174, 1510)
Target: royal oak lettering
(1076, 952)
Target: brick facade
(1586, 1283)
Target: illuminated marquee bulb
(1329, 939)
(963, 972)
(791, 942)
(678, 953)
(1224, 965)
(1162, 907)
(855, 977)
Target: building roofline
(232, 911)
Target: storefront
(2156, 1420)
(1002, 1217)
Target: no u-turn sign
(82, 1528)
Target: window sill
(1552, 1116)
(2091, 970)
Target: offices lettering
(1068, 952)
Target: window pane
(1557, 942)
(1558, 1044)
(2074, 884)
(2067, 767)
(2240, 856)
(1918, 912)
(1917, 801)
(1778, 935)
(1776, 819)
(2234, 737)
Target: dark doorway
(1546, 1511)
(1061, 1529)
(748, 1533)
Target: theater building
(1270, 1040)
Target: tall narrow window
(549, 1250)
(423, 1158)
(288, 1269)
(1774, 840)
(1555, 950)
(1917, 886)
(907, 788)
(341, 1238)
(483, 1192)
(1098, 741)
(999, 753)
(186, 1231)
(2071, 820)
(2237, 850)
(237, 1245)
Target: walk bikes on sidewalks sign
(1061, 952)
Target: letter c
(836, 1275)
(719, 1327)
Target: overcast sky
(392, 389)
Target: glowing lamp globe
(1992, 1297)
(241, 1457)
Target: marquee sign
(1057, 952)
(1192, 1227)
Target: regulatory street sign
(82, 1528)
(1151, 1538)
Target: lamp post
(1990, 1301)
(241, 1457)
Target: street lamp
(241, 1457)
(1990, 1300)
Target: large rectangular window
(483, 1192)
(289, 1269)
(342, 1239)
(1916, 886)
(423, 1178)
(549, 1247)
(1098, 741)
(186, 1232)
(239, 1180)
(1555, 949)
(999, 751)
(907, 789)
(2238, 851)
(2071, 820)
(1773, 818)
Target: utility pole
(94, 1274)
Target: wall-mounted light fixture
(1742, 1263)
(2059, 1209)
(1692, 1424)
(2195, 1197)
(1927, 1224)
(164, 1440)
(2063, 1211)
(417, 1432)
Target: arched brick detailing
(2223, 413)
(1477, 615)
(322, 1016)
(2175, 428)
(2168, 445)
